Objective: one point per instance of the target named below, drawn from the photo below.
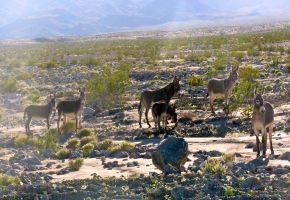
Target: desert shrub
(238, 55)
(124, 146)
(288, 65)
(87, 149)
(108, 85)
(68, 127)
(230, 191)
(247, 111)
(274, 62)
(73, 143)
(90, 61)
(249, 73)
(195, 80)
(214, 166)
(88, 139)
(105, 144)
(21, 140)
(9, 85)
(63, 153)
(48, 65)
(48, 141)
(23, 75)
(85, 132)
(228, 157)
(197, 57)
(76, 164)
(34, 96)
(253, 52)
(6, 180)
(220, 62)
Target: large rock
(170, 155)
(252, 183)
(285, 156)
(180, 193)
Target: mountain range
(35, 18)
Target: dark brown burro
(161, 112)
(148, 98)
(263, 122)
(39, 112)
(74, 107)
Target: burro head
(259, 103)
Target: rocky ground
(228, 140)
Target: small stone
(280, 171)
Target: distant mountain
(35, 18)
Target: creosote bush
(63, 153)
(87, 149)
(21, 140)
(68, 127)
(195, 80)
(73, 143)
(106, 144)
(8, 85)
(6, 180)
(88, 139)
(124, 146)
(214, 166)
(76, 164)
(85, 132)
(48, 141)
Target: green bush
(88, 139)
(195, 80)
(238, 55)
(21, 140)
(73, 143)
(34, 96)
(230, 191)
(23, 75)
(68, 127)
(228, 157)
(197, 57)
(48, 141)
(76, 164)
(214, 166)
(106, 144)
(6, 180)
(124, 146)
(63, 153)
(87, 149)
(249, 73)
(85, 132)
(90, 61)
(108, 85)
(220, 62)
(48, 65)
(274, 63)
(9, 85)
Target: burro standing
(263, 122)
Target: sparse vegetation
(124, 146)
(76, 164)
(85, 132)
(21, 140)
(87, 149)
(48, 141)
(68, 127)
(73, 143)
(88, 139)
(63, 153)
(106, 144)
(6, 180)
(9, 85)
(195, 80)
(214, 166)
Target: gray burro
(171, 155)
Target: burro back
(262, 122)
(222, 87)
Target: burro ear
(255, 92)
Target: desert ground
(113, 152)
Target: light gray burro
(222, 87)
(263, 121)
(171, 155)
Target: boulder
(171, 153)
(180, 193)
(88, 113)
(281, 171)
(252, 183)
(285, 156)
